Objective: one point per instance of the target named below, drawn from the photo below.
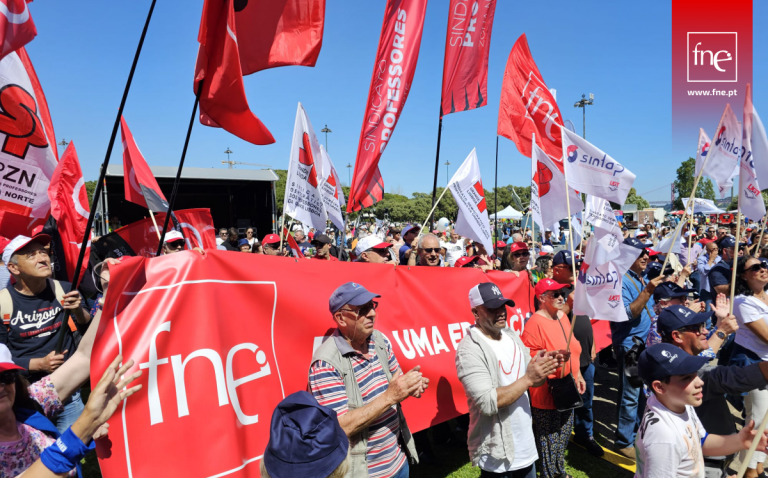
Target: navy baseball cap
(563, 257)
(653, 270)
(242, 242)
(305, 439)
(631, 241)
(489, 295)
(669, 290)
(676, 317)
(729, 241)
(350, 293)
(660, 361)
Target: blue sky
(619, 51)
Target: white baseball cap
(370, 242)
(19, 242)
(172, 236)
(6, 360)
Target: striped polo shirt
(385, 457)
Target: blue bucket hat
(305, 439)
(350, 293)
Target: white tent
(507, 213)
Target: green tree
(686, 175)
(90, 188)
(633, 198)
(282, 174)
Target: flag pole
(690, 234)
(573, 258)
(496, 197)
(157, 230)
(760, 241)
(176, 182)
(736, 250)
(63, 331)
(434, 206)
(282, 229)
(437, 166)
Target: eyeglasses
(365, 308)
(8, 377)
(521, 254)
(758, 267)
(431, 250)
(697, 329)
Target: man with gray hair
(427, 252)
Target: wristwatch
(721, 334)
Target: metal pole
(176, 182)
(437, 166)
(496, 196)
(584, 121)
(64, 330)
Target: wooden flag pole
(157, 230)
(755, 441)
(760, 241)
(690, 235)
(282, 230)
(434, 206)
(573, 260)
(64, 329)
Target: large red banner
(223, 337)
(465, 68)
(391, 82)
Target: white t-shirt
(511, 369)
(219, 241)
(453, 250)
(668, 444)
(750, 309)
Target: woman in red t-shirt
(549, 329)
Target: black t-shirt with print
(31, 329)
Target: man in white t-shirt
(496, 370)
(454, 248)
(671, 441)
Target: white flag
(750, 200)
(600, 214)
(577, 225)
(535, 206)
(759, 151)
(303, 200)
(703, 206)
(598, 293)
(466, 186)
(591, 171)
(330, 190)
(701, 150)
(551, 188)
(667, 245)
(723, 164)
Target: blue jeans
(583, 415)
(404, 471)
(73, 407)
(631, 405)
(527, 472)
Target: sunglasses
(758, 267)
(521, 254)
(365, 308)
(8, 377)
(557, 294)
(697, 329)
(431, 250)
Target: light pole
(446, 172)
(64, 143)
(326, 130)
(349, 172)
(582, 103)
(228, 152)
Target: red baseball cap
(651, 252)
(500, 244)
(518, 246)
(545, 285)
(465, 260)
(270, 239)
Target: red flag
(197, 227)
(392, 76)
(274, 33)
(222, 100)
(527, 107)
(465, 68)
(140, 185)
(16, 26)
(292, 245)
(69, 206)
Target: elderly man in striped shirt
(356, 373)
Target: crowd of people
(683, 359)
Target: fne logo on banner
(712, 57)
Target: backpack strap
(6, 306)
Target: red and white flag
(755, 141)
(393, 72)
(465, 66)
(551, 189)
(723, 163)
(69, 206)
(28, 153)
(279, 33)
(197, 227)
(330, 190)
(701, 150)
(751, 201)
(222, 100)
(292, 245)
(527, 107)
(303, 200)
(16, 26)
(140, 185)
(466, 186)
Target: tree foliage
(90, 188)
(686, 175)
